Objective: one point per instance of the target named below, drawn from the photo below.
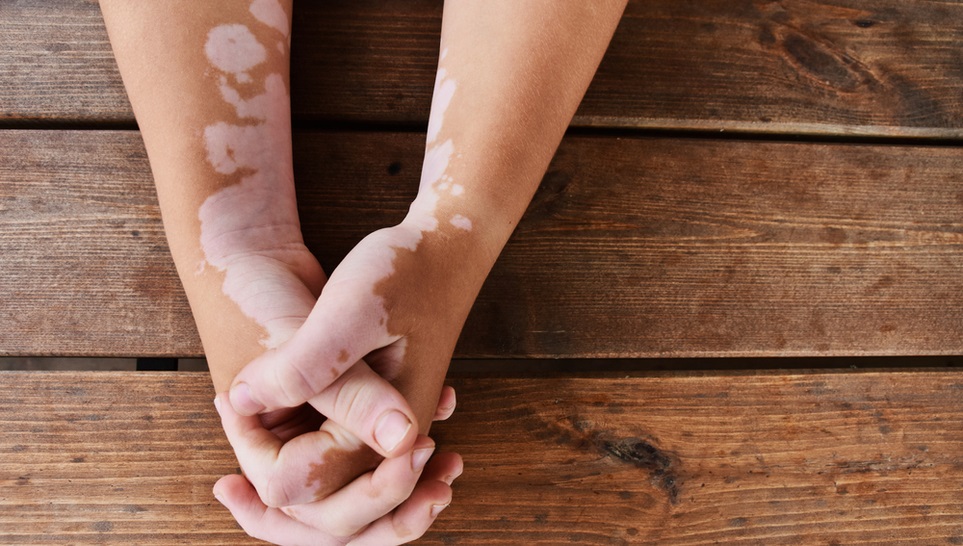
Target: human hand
(388, 506)
(399, 500)
(397, 301)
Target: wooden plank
(821, 458)
(82, 213)
(633, 247)
(56, 64)
(883, 67)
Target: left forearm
(511, 75)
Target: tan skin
(370, 347)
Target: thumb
(321, 364)
(334, 337)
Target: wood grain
(801, 66)
(632, 247)
(770, 458)
(78, 214)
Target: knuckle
(392, 493)
(350, 403)
(297, 382)
(339, 529)
(275, 494)
(392, 496)
(404, 532)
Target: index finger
(304, 469)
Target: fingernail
(219, 498)
(420, 458)
(437, 508)
(243, 401)
(391, 430)
(217, 403)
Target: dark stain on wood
(638, 452)
(917, 105)
(551, 194)
(819, 62)
(834, 235)
(884, 465)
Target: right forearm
(222, 167)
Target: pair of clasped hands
(330, 449)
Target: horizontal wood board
(632, 247)
(864, 67)
(773, 458)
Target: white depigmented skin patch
(239, 223)
(432, 176)
(435, 180)
(256, 107)
(233, 49)
(444, 91)
(271, 14)
(425, 215)
(461, 222)
(230, 147)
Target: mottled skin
(514, 73)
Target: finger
(380, 492)
(446, 404)
(301, 470)
(368, 407)
(255, 447)
(336, 334)
(261, 522)
(444, 467)
(410, 520)
(289, 423)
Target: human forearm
(208, 84)
(511, 75)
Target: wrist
(465, 236)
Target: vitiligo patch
(240, 221)
(234, 49)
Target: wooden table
(709, 327)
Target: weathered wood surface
(837, 458)
(799, 66)
(633, 247)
